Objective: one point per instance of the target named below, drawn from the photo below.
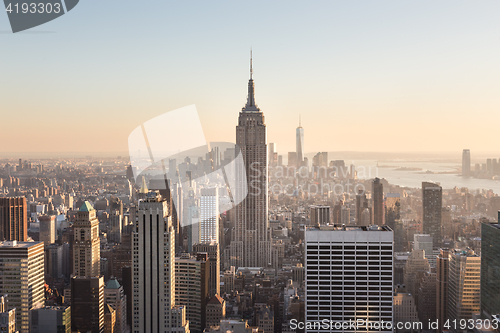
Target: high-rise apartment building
(87, 304)
(378, 201)
(212, 249)
(442, 277)
(191, 288)
(299, 144)
(432, 197)
(349, 276)
(13, 219)
(251, 245)
(490, 270)
(22, 278)
(47, 229)
(209, 215)
(466, 163)
(86, 244)
(320, 215)
(153, 269)
(464, 285)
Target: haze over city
(364, 76)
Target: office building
(109, 319)
(320, 215)
(415, 268)
(464, 285)
(392, 209)
(7, 317)
(87, 304)
(191, 288)
(209, 215)
(442, 277)
(378, 201)
(426, 297)
(349, 275)
(114, 295)
(251, 245)
(490, 270)
(432, 197)
(86, 244)
(405, 309)
(361, 204)
(273, 154)
(51, 319)
(13, 219)
(47, 229)
(153, 269)
(299, 144)
(212, 249)
(466, 163)
(425, 242)
(216, 311)
(22, 278)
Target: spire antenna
(299, 121)
(251, 67)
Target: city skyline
(411, 68)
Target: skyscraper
(114, 295)
(47, 229)
(349, 275)
(464, 285)
(320, 215)
(299, 144)
(466, 163)
(22, 278)
(87, 304)
(490, 270)
(13, 219)
(209, 215)
(7, 317)
(378, 202)
(191, 288)
(251, 245)
(214, 262)
(86, 245)
(432, 196)
(153, 269)
(442, 276)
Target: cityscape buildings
(22, 279)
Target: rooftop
(86, 207)
(338, 227)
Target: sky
(380, 76)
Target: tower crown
(251, 106)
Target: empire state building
(251, 242)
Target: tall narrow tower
(299, 144)
(86, 246)
(251, 240)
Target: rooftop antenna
(251, 67)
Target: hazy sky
(365, 75)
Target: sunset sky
(384, 76)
